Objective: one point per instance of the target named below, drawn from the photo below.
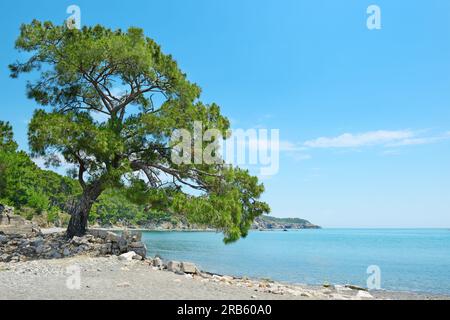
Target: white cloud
(301, 156)
(349, 140)
(417, 141)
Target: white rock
(174, 266)
(188, 267)
(111, 236)
(127, 256)
(157, 262)
(364, 295)
(340, 288)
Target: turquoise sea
(409, 259)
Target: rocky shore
(38, 245)
(112, 277)
(35, 264)
(112, 266)
(271, 223)
(263, 223)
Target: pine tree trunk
(80, 212)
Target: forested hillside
(45, 196)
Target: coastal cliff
(261, 223)
(272, 223)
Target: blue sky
(365, 115)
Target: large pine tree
(142, 97)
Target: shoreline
(382, 293)
(24, 278)
(103, 278)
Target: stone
(37, 242)
(136, 236)
(11, 224)
(77, 240)
(123, 245)
(138, 244)
(353, 287)
(55, 255)
(3, 239)
(66, 252)
(97, 233)
(174, 266)
(226, 278)
(188, 267)
(106, 249)
(340, 288)
(157, 262)
(137, 257)
(113, 237)
(138, 247)
(5, 257)
(364, 295)
(127, 256)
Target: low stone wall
(13, 224)
(117, 244)
(23, 247)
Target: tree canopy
(24, 184)
(111, 101)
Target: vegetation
(285, 220)
(143, 97)
(46, 196)
(24, 185)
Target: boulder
(37, 242)
(13, 224)
(138, 247)
(3, 239)
(353, 287)
(79, 241)
(112, 237)
(127, 256)
(66, 252)
(106, 249)
(98, 233)
(123, 245)
(136, 244)
(174, 266)
(157, 262)
(136, 236)
(39, 249)
(188, 267)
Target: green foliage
(144, 97)
(38, 201)
(7, 143)
(286, 220)
(24, 184)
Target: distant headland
(273, 223)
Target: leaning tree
(111, 101)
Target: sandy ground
(109, 278)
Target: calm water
(410, 260)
